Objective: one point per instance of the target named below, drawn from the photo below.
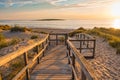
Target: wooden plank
(53, 66)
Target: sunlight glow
(116, 9)
(116, 24)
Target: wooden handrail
(85, 67)
(28, 64)
(13, 55)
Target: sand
(106, 62)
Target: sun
(116, 24)
(116, 9)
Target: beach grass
(111, 35)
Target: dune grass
(34, 36)
(5, 43)
(5, 27)
(109, 34)
(19, 29)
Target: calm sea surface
(65, 24)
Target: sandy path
(106, 62)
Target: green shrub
(34, 37)
(1, 37)
(3, 44)
(43, 32)
(5, 27)
(62, 39)
(14, 41)
(19, 29)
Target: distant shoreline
(50, 20)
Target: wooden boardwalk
(57, 63)
(53, 66)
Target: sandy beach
(106, 62)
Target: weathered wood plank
(53, 66)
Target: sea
(61, 24)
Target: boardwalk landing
(53, 66)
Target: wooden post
(84, 39)
(80, 46)
(26, 63)
(94, 48)
(66, 37)
(43, 48)
(73, 64)
(83, 77)
(87, 42)
(49, 39)
(38, 59)
(56, 39)
(68, 55)
(47, 43)
(0, 76)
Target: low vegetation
(5, 43)
(34, 36)
(109, 34)
(19, 29)
(5, 27)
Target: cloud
(60, 3)
(9, 3)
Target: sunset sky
(66, 9)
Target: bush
(19, 29)
(5, 27)
(43, 32)
(34, 37)
(62, 39)
(14, 41)
(1, 37)
(3, 44)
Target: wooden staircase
(53, 66)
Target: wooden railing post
(66, 38)
(94, 48)
(26, 63)
(0, 76)
(49, 39)
(43, 48)
(87, 42)
(56, 39)
(38, 59)
(68, 55)
(47, 45)
(73, 64)
(80, 46)
(84, 39)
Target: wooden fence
(58, 37)
(28, 64)
(74, 56)
(85, 42)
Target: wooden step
(51, 77)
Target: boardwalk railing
(74, 58)
(24, 51)
(57, 38)
(85, 42)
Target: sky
(65, 9)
